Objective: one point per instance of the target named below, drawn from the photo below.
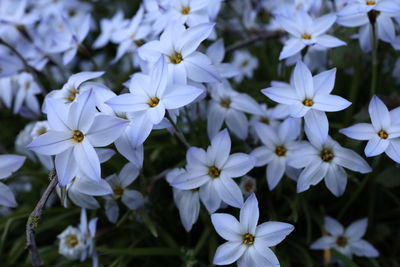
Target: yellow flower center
(248, 239)
(185, 10)
(214, 172)
(72, 95)
(280, 151)
(371, 3)
(264, 120)
(71, 241)
(78, 136)
(308, 102)
(306, 36)
(153, 102)
(41, 131)
(176, 58)
(341, 241)
(382, 134)
(326, 155)
(118, 191)
(225, 102)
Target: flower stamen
(341, 241)
(78, 136)
(306, 36)
(214, 172)
(176, 58)
(382, 134)
(185, 10)
(248, 239)
(71, 241)
(280, 151)
(370, 3)
(327, 155)
(225, 102)
(308, 102)
(153, 102)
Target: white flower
(27, 89)
(187, 201)
(248, 244)
(248, 185)
(310, 97)
(246, 63)
(363, 13)
(72, 243)
(305, 31)
(74, 134)
(278, 145)
(347, 241)
(150, 97)
(133, 199)
(216, 52)
(229, 106)
(212, 171)
(382, 135)
(8, 165)
(189, 12)
(71, 90)
(178, 46)
(108, 29)
(325, 160)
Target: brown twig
(259, 36)
(178, 133)
(34, 219)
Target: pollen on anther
(382, 134)
(341, 241)
(225, 102)
(248, 239)
(153, 102)
(308, 102)
(214, 172)
(280, 151)
(71, 241)
(306, 36)
(78, 136)
(327, 155)
(72, 95)
(371, 2)
(176, 58)
(185, 10)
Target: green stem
(178, 133)
(374, 61)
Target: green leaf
(390, 177)
(347, 261)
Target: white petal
(325, 81)
(9, 164)
(90, 187)
(317, 123)
(336, 180)
(379, 114)
(215, 118)
(105, 130)
(376, 146)
(322, 24)
(210, 197)
(281, 95)
(351, 160)
(291, 48)
(275, 170)
(52, 143)
(237, 123)
(237, 165)
(332, 226)
(325, 242)
(87, 160)
(329, 41)
(200, 69)
(227, 226)
(220, 148)
(66, 166)
(112, 210)
(311, 175)
(393, 150)
(81, 112)
(359, 131)
(7, 198)
(228, 253)
(178, 96)
(272, 233)
(229, 192)
(330, 103)
(128, 174)
(194, 36)
(262, 155)
(363, 248)
(57, 114)
(249, 214)
(303, 81)
(357, 229)
(132, 199)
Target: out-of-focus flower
(246, 63)
(8, 165)
(346, 240)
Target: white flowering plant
(199, 133)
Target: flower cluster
(112, 105)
